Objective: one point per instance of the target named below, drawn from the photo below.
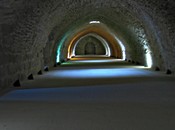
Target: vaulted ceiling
(32, 30)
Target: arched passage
(99, 29)
(31, 28)
(113, 44)
(103, 45)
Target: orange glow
(101, 31)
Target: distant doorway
(90, 49)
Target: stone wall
(98, 46)
(31, 31)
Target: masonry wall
(82, 44)
(30, 31)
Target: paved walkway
(101, 97)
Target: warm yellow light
(116, 49)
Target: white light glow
(149, 60)
(91, 22)
(148, 56)
(122, 47)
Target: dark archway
(90, 49)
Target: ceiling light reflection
(94, 22)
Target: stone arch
(102, 31)
(102, 46)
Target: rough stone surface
(97, 46)
(30, 31)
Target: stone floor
(110, 96)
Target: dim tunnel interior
(40, 34)
(87, 64)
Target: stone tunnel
(36, 34)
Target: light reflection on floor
(91, 98)
(100, 73)
(117, 68)
(90, 74)
(92, 60)
(144, 92)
